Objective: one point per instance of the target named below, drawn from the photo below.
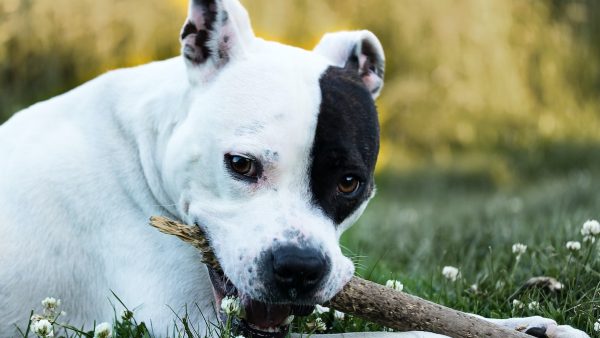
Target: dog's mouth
(259, 319)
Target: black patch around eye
(346, 142)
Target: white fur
(83, 172)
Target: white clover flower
(50, 303)
(517, 304)
(556, 286)
(231, 306)
(519, 249)
(51, 306)
(394, 284)
(103, 330)
(573, 245)
(339, 315)
(590, 228)
(590, 239)
(321, 309)
(451, 273)
(42, 328)
(533, 306)
(474, 288)
(597, 326)
(320, 325)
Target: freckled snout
(298, 272)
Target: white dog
(269, 148)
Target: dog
(270, 149)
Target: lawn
(419, 223)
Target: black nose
(298, 269)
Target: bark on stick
(371, 301)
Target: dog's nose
(299, 269)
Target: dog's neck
(149, 106)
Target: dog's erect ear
(358, 49)
(215, 32)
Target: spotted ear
(357, 49)
(215, 32)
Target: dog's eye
(348, 185)
(242, 165)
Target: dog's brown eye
(242, 165)
(348, 184)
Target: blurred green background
(490, 112)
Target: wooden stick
(376, 303)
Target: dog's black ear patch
(201, 36)
(346, 142)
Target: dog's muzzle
(260, 319)
(296, 272)
(292, 275)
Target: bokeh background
(490, 112)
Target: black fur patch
(346, 142)
(188, 29)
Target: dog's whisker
(164, 205)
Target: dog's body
(83, 172)
(75, 198)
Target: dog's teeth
(288, 320)
(268, 329)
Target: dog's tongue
(264, 315)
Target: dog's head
(275, 156)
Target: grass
(421, 222)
